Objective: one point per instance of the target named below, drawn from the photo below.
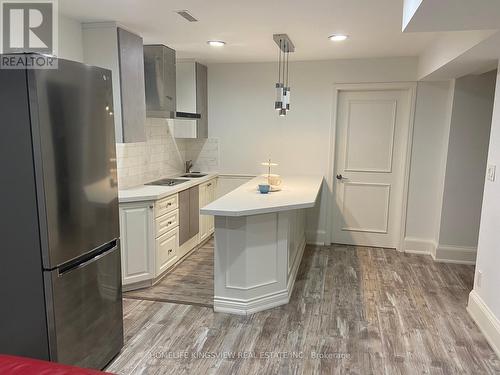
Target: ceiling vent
(186, 15)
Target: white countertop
(296, 192)
(154, 192)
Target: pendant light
(282, 102)
(279, 85)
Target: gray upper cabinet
(202, 100)
(111, 47)
(131, 59)
(160, 81)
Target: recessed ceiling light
(337, 37)
(216, 43)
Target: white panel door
(372, 133)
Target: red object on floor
(12, 365)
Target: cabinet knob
(169, 222)
(169, 204)
(210, 184)
(151, 207)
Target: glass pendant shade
(286, 98)
(279, 96)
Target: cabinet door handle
(151, 207)
(169, 204)
(169, 251)
(210, 184)
(169, 222)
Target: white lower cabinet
(137, 234)
(149, 240)
(166, 250)
(207, 195)
(150, 236)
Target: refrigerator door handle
(88, 259)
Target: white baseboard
(415, 245)
(317, 237)
(248, 307)
(439, 252)
(487, 322)
(455, 254)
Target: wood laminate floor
(191, 282)
(353, 311)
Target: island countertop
(296, 192)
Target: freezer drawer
(84, 306)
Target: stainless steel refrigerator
(60, 277)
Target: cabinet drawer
(166, 250)
(166, 222)
(166, 205)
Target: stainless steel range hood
(187, 115)
(177, 91)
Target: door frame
(411, 87)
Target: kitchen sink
(193, 175)
(167, 182)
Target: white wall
(428, 163)
(484, 303)
(466, 161)
(242, 115)
(70, 39)
(450, 146)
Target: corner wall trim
(455, 254)
(316, 237)
(487, 322)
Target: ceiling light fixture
(216, 43)
(282, 102)
(337, 37)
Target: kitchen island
(259, 242)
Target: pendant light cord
(279, 64)
(287, 68)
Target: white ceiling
(374, 26)
(454, 15)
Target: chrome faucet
(189, 166)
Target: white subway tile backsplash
(204, 153)
(162, 155)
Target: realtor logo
(28, 27)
